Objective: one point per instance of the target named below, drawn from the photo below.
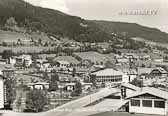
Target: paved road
(77, 105)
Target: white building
(63, 64)
(149, 101)
(130, 74)
(20, 60)
(110, 77)
(70, 86)
(38, 85)
(1, 92)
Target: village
(61, 63)
(74, 70)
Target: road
(73, 108)
(77, 105)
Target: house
(158, 59)
(63, 64)
(144, 72)
(3, 61)
(144, 57)
(2, 99)
(131, 73)
(70, 86)
(131, 56)
(38, 85)
(7, 70)
(149, 101)
(25, 79)
(87, 86)
(109, 77)
(20, 61)
(66, 60)
(45, 67)
(122, 60)
(158, 72)
(127, 89)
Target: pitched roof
(144, 71)
(131, 86)
(69, 59)
(161, 69)
(6, 67)
(108, 72)
(150, 90)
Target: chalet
(7, 70)
(148, 101)
(144, 72)
(158, 72)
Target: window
(147, 103)
(159, 104)
(135, 102)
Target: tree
(137, 82)
(93, 80)
(74, 72)
(39, 41)
(78, 89)
(109, 64)
(6, 54)
(36, 100)
(11, 22)
(10, 85)
(53, 86)
(4, 44)
(45, 75)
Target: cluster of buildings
(93, 69)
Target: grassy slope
(134, 30)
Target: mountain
(36, 19)
(133, 30)
(50, 21)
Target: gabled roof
(6, 67)
(108, 72)
(131, 86)
(68, 59)
(160, 69)
(144, 71)
(150, 90)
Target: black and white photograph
(83, 57)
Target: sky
(114, 10)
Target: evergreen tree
(36, 100)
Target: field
(26, 49)
(8, 36)
(95, 57)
